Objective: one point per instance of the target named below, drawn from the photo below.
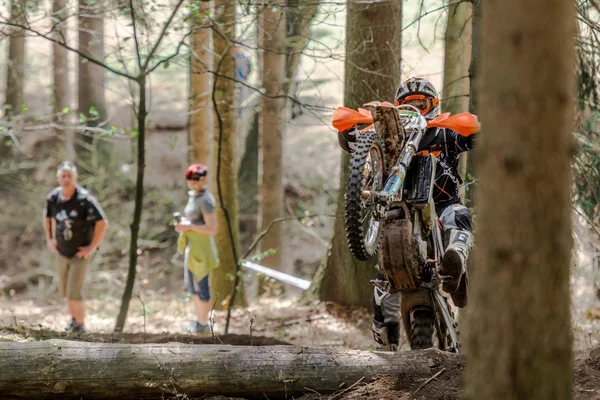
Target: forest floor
(268, 321)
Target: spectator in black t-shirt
(74, 224)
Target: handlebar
(411, 117)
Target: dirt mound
(444, 384)
(586, 375)
(447, 384)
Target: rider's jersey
(446, 145)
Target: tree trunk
(137, 213)
(520, 332)
(201, 113)
(271, 22)
(225, 278)
(91, 76)
(16, 61)
(61, 101)
(300, 14)
(248, 186)
(60, 369)
(373, 42)
(474, 79)
(455, 93)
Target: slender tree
(474, 78)
(271, 22)
(520, 332)
(91, 76)
(201, 113)
(61, 101)
(225, 278)
(457, 57)
(373, 41)
(16, 60)
(299, 15)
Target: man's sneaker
(195, 327)
(74, 327)
(455, 258)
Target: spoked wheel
(426, 332)
(364, 226)
(422, 330)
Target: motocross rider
(454, 217)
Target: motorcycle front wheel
(364, 226)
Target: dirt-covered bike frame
(389, 208)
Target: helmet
(419, 89)
(195, 172)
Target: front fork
(391, 192)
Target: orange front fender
(345, 118)
(464, 123)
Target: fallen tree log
(66, 369)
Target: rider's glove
(347, 140)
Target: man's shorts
(71, 275)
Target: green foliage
(94, 112)
(587, 167)
(261, 256)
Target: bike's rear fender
(399, 256)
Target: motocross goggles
(422, 102)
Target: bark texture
(61, 89)
(271, 22)
(520, 332)
(59, 369)
(225, 169)
(15, 73)
(373, 42)
(201, 112)
(91, 76)
(457, 58)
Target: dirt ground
(283, 320)
(444, 383)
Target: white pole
(280, 276)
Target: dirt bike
(389, 209)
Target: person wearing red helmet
(456, 219)
(196, 242)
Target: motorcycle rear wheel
(422, 330)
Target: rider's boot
(386, 335)
(386, 316)
(454, 265)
